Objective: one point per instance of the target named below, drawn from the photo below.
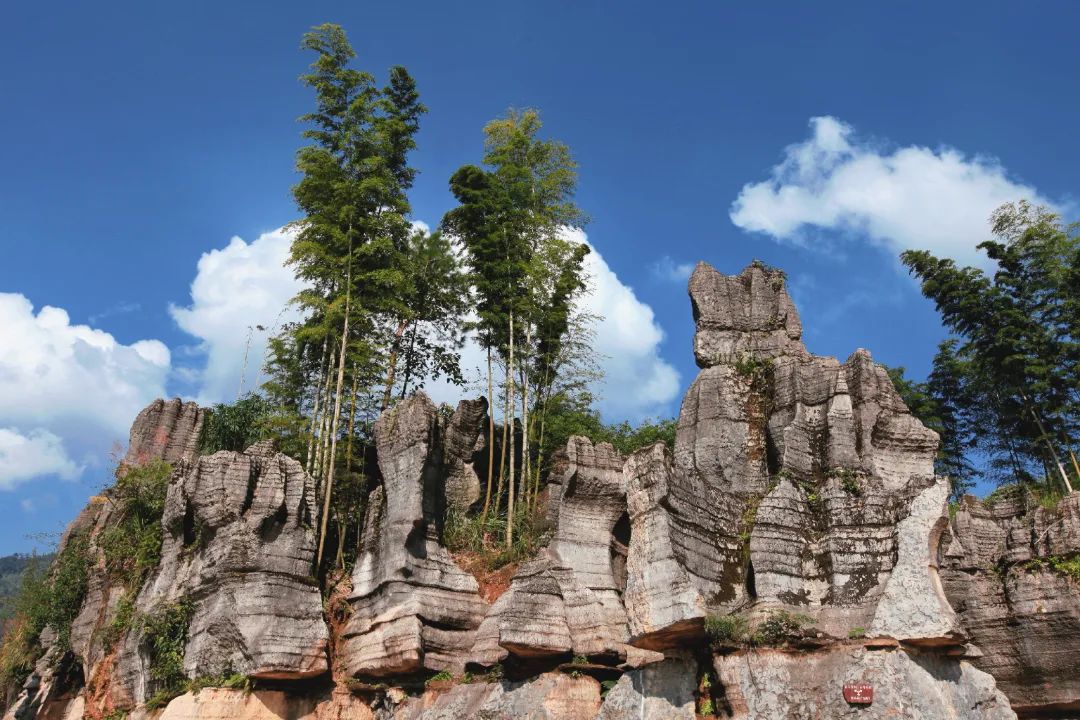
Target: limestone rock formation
(797, 482)
(799, 490)
(465, 440)
(568, 600)
(413, 608)
(1023, 615)
(800, 686)
(165, 430)
(239, 546)
(666, 690)
(749, 313)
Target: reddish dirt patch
(337, 610)
(493, 583)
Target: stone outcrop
(1002, 570)
(750, 313)
(413, 608)
(166, 430)
(465, 441)
(789, 686)
(799, 490)
(797, 482)
(239, 547)
(567, 601)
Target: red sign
(859, 693)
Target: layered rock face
(797, 482)
(239, 547)
(413, 608)
(771, 684)
(1001, 568)
(567, 601)
(798, 487)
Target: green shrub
(849, 480)
(235, 427)
(164, 637)
(606, 686)
(856, 633)
(228, 679)
(441, 676)
(1069, 567)
(757, 370)
(726, 628)
(132, 543)
(485, 537)
(779, 628)
(705, 707)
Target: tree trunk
(408, 356)
(324, 362)
(320, 450)
(490, 438)
(511, 480)
(1046, 440)
(526, 460)
(388, 391)
(337, 415)
(352, 420)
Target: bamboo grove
(386, 304)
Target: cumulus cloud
(67, 390)
(241, 286)
(668, 270)
(39, 452)
(52, 371)
(904, 198)
(247, 284)
(637, 382)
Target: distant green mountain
(12, 569)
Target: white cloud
(667, 269)
(908, 198)
(26, 456)
(67, 390)
(637, 381)
(247, 284)
(54, 372)
(239, 286)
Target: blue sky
(141, 138)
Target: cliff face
(1005, 570)
(787, 546)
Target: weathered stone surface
(239, 546)
(745, 314)
(661, 691)
(51, 687)
(464, 439)
(164, 430)
(798, 483)
(167, 430)
(663, 607)
(551, 696)
(413, 607)
(226, 704)
(807, 686)
(569, 599)
(1022, 615)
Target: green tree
(512, 213)
(1016, 357)
(429, 316)
(349, 246)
